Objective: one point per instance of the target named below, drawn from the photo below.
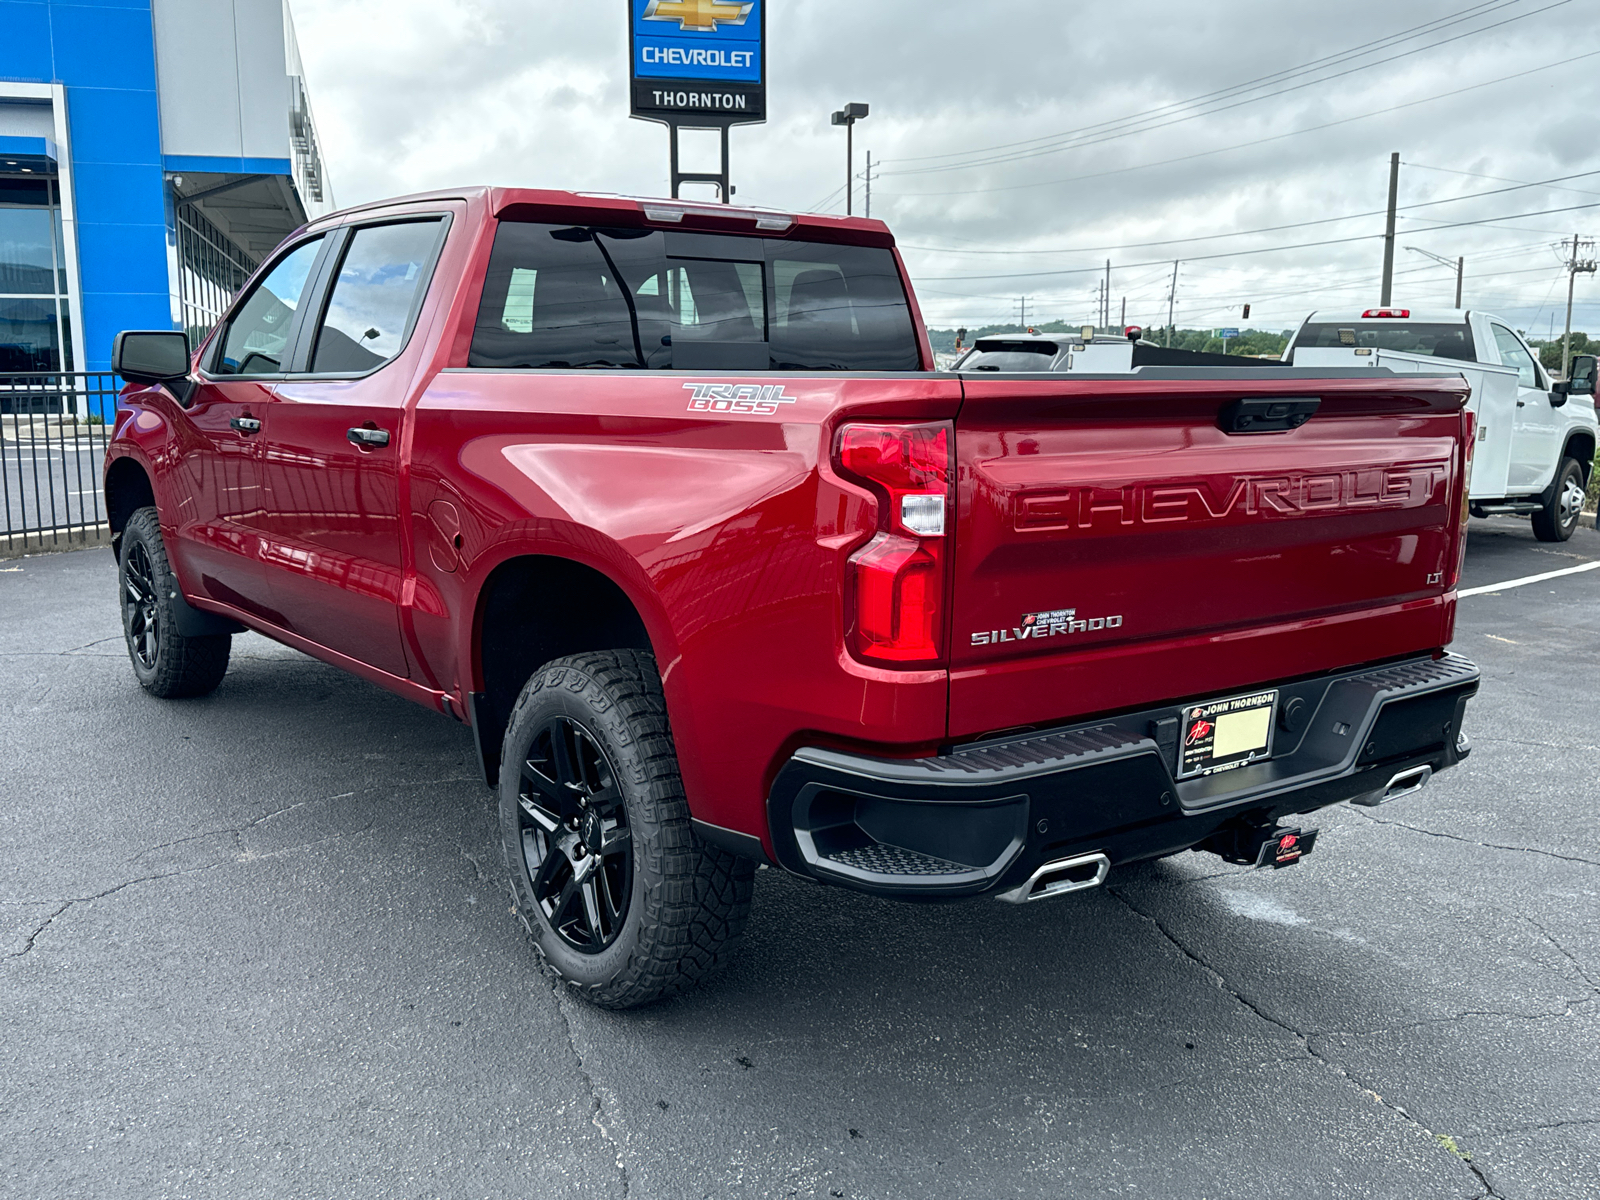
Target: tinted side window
(1513, 355)
(259, 328)
(374, 297)
(839, 308)
(586, 297)
(551, 299)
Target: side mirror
(1581, 381)
(151, 356)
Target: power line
(1222, 93)
(1497, 178)
(1271, 249)
(1079, 142)
(1205, 237)
(1277, 137)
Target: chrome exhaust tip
(1407, 782)
(1075, 874)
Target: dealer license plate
(1220, 735)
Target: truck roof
(549, 204)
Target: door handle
(245, 425)
(361, 436)
(1522, 404)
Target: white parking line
(1527, 579)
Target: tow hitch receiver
(1261, 846)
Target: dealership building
(151, 152)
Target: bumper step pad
(984, 817)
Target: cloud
(412, 95)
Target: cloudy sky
(1025, 143)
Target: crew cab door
(223, 500)
(1538, 425)
(1117, 545)
(332, 441)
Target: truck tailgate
(1493, 402)
(1116, 548)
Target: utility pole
(869, 188)
(1388, 235)
(1105, 309)
(1022, 312)
(1574, 269)
(1171, 298)
(1124, 322)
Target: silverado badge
(1053, 623)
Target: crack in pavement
(1455, 837)
(43, 925)
(1534, 1128)
(243, 856)
(74, 650)
(1302, 1038)
(1582, 971)
(588, 1080)
(1452, 1019)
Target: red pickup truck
(668, 503)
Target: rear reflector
(1386, 312)
(896, 581)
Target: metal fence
(54, 427)
(211, 270)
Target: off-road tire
(1558, 519)
(166, 663)
(687, 901)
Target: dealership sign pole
(698, 64)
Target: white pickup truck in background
(1535, 439)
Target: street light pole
(848, 116)
(1460, 265)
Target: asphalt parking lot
(258, 945)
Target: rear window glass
(578, 296)
(1440, 341)
(995, 355)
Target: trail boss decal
(755, 399)
(1050, 624)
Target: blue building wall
(103, 51)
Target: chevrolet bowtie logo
(698, 16)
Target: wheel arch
(1581, 446)
(128, 488)
(533, 608)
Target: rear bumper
(984, 817)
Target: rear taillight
(1386, 312)
(1469, 439)
(896, 582)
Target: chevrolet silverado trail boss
(667, 503)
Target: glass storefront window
(34, 327)
(27, 252)
(29, 335)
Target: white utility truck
(1535, 438)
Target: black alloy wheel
(621, 898)
(166, 661)
(139, 598)
(576, 842)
